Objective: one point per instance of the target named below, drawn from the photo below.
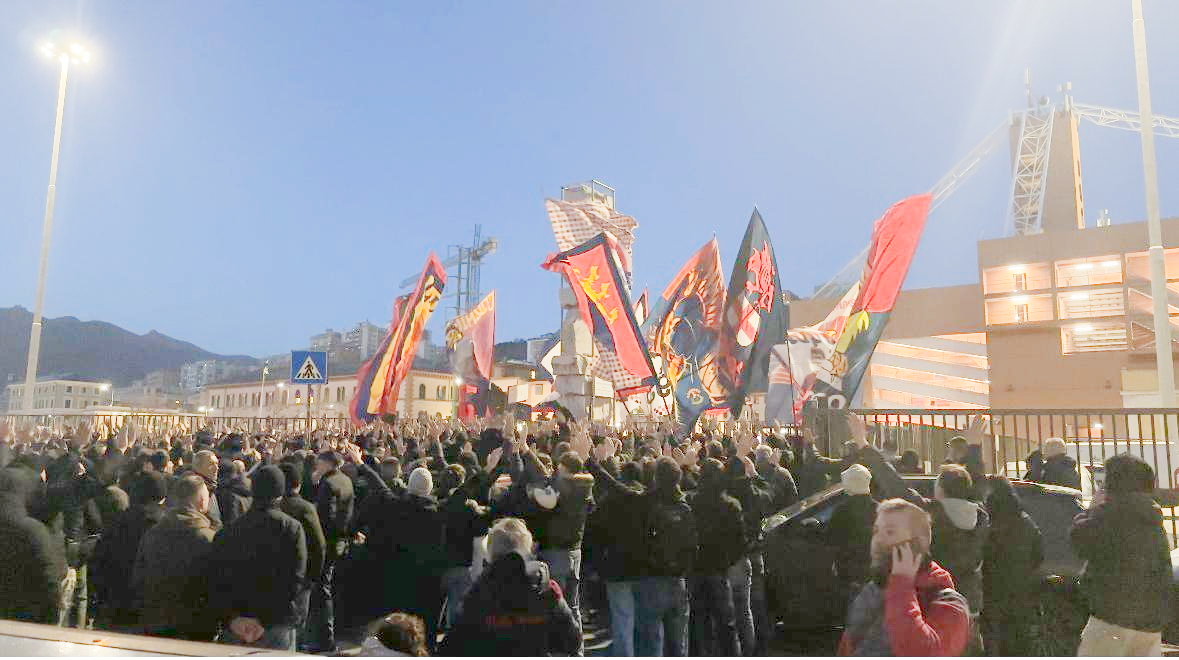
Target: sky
(244, 175)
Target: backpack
(672, 538)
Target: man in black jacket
(34, 562)
(334, 501)
(515, 608)
(1128, 571)
(713, 618)
(621, 553)
(1053, 465)
(256, 568)
(233, 491)
(300, 509)
(119, 603)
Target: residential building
(59, 396)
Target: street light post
(1158, 271)
(75, 54)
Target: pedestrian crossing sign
(308, 367)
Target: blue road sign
(309, 367)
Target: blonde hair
(919, 520)
(509, 535)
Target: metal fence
(188, 422)
(1091, 437)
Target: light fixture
(75, 54)
(1017, 267)
(1019, 300)
(1085, 266)
(1111, 264)
(458, 380)
(1083, 327)
(1098, 426)
(1079, 296)
(202, 409)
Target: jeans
(1101, 638)
(456, 582)
(565, 568)
(279, 638)
(757, 601)
(740, 584)
(303, 608)
(662, 621)
(321, 618)
(622, 595)
(713, 621)
(75, 601)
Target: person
(663, 601)
(969, 455)
(398, 635)
(300, 509)
(515, 608)
(334, 503)
(560, 547)
(779, 479)
(465, 521)
(850, 528)
(1011, 555)
(1053, 465)
(960, 529)
(170, 567)
(34, 565)
(621, 552)
(910, 463)
(747, 574)
(909, 607)
(418, 550)
(206, 464)
(713, 618)
(119, 603)
(256, 568)
(1127, 577)
(233, 492)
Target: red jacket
(922, 616)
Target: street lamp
(75, 54)
(107, 386)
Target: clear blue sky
(243, 175)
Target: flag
(686, 337)
(603, 300)
(575, 223)
(471, 341)
(378, 382)
(830, 359)
(642, 309)
(754, 318)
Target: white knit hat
(421, 482)
(857, 480)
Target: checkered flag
(575, 223)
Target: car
(809, 602)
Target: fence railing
(189, 422)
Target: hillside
(92, 349)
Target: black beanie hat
(269, 482)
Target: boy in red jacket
(909, 607)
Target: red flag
(602, 298)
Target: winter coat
(515, 609)
(214, 512)
(304, 511)
(421, 533)
(233, 499)
(102, 510)
(811, 471)
(34, 562)
(118, 602)
(849, 532)
(1127, 577)
(171, 572)
(334, 503)
(1011, 556)
(464, 521)
(756, 499)
(911, 616)
(621, 552)
(1061, 470)
(781, 483)
(257, 567)
(960, 530)
(566, 525)
(718, 515)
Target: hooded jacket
(850, 533)
(118, 601)
(911, 616)
(334, 503)
(622, 551)
(34, 562)
(171, 573)
(959, 535)
(723, 543)
(566, 525)
(233, 498)
(515, 609)
(1013, 551)
(1127, 576)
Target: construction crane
(1035, 125)
(463, 265)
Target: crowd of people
(487, 539)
